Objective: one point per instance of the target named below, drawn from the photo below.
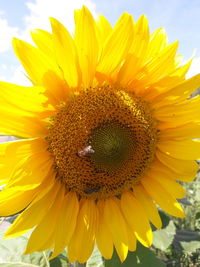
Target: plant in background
(106, 130)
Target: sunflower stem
(77, 264)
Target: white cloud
(19, 76)
(6, 33)
(63, 10)
(195, 68)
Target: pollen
(102, 141)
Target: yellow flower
(106, 130)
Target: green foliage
(163, 238)
(142, 257)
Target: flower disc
(102, 141)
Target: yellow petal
(86, 42)
(57, 89)
(22, 126)
(36, 211)
(132, 240)
(14, 200)
(117, 45)
(43, 235)
(163, 172)
(35, 62)
(185, 149)
(178, 93)
(22, 100)
(141, 38)
(179, 113)
(170, 185)
(165, 84)
(157, 68)
(136, 56)
(157, 42)
(33, 171)
(187, 131)
(44, 41)
(66, 53)
(21, 109)
(165, 200)
(103, 29)
(148, 205)
(186, 169)
(15, 152)
(136, 218)
(117, 226)
(87, 223)
(103, 235)
(66, 223)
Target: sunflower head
(107, 129)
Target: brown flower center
(102, 141)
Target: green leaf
(60, 260)
(190, 247)
(96, 259)
(164, 218)
(142, 257)
(163, 238)
(11, 252)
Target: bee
(85, 152)
(92, 190)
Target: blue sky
(180, 18)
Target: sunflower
(104, 133)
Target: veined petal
(23, 100)
(103, 234)
(86, 43)
(157, 42)
(117, 45)
(178, 93)
(44, 41)
(140, 38)
(33, 170)
(170, 185)
(156, 69)
(103, 29)
(184, 149)
(35, 62)
(21, 110)
(57, 89)
(132, 240)
(67, 221)
(22, 126)
(187, 131)
(21, 149)
(87, 223)
(137, 52)
(186, 169)
(37, 242)
(117, 226)
(36, 211)
(165, 200)
(66, 53)
(167, 83)
(136, 218)
(15, 199)
(178, 113)
(148, 205)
